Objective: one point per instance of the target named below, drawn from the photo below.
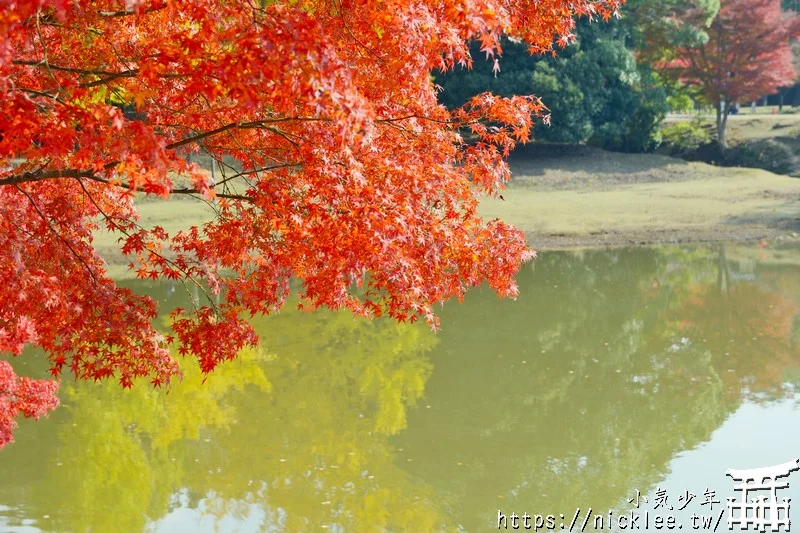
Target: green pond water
(650, 369)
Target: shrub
(680, 103)
(768, 154)
(684, 137)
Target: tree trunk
(722, 123)
(780, 101)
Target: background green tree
(595, 90)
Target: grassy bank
(577, 196)
(580, 196)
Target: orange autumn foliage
(342, 170)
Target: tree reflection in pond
(609, 365)
(300, 430)
(602, 372)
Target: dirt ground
(565, 197)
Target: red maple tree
(32, 398)
(748, 55)
(342, 170)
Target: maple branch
(239, 175)
(357, 41)
(43, 94)
(244, 151)
(422, 117)
(44, 47)
(128, 186)
(103, 81)
(61, 237)
(122, 230)
(46, 21)
(109, 76)
(40, 175)
(256, 124)
(130, 12)
(82, 260)
(4, 213)
(201, 136)
(46, 64)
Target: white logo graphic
(761, 511)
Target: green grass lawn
(576, 196)
(580, 196)
(736, 196)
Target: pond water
(644, 371)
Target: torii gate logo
(761, 511)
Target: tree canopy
(594, 89)
(659, 27)
(747, 55)
(339, 166)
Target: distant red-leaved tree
(748, 55)
(342, 171)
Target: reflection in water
(297, 439)
(595, 382)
